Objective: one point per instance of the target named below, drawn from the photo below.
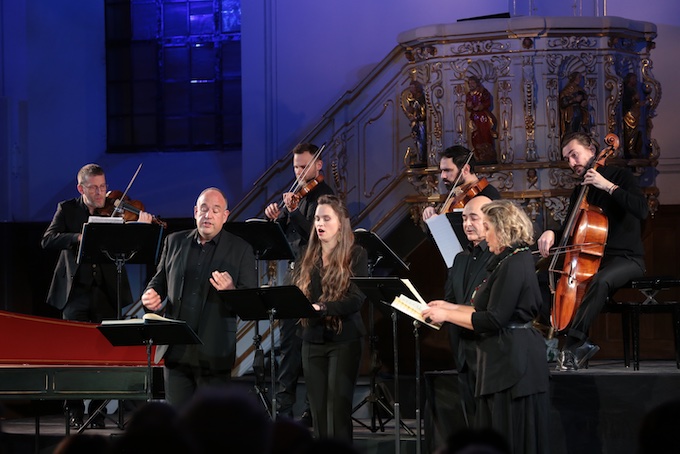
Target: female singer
(332, 343)
(512, 379)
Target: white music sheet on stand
(444, 237)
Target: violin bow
(455, 183)
(118, 209)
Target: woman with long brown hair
(332, 343)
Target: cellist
(616, 191)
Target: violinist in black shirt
(616, 191)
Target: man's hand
(272, 211)
(291, 201)
(222, 280)
(152, 300)
(595, 178)
(428, 212)
(545, 242)
(145, 217)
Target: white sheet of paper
(444, 237)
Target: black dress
(512, 380)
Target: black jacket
(217, 327)
(62, 234)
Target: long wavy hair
(336, 274)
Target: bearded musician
(457, 166)
(617, 193)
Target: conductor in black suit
(194, 265)
(87, 292)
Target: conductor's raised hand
(152, 300)
(222, 280)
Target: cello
(584, 239)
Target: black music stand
(122, 333)
(120, 243)
(379, 256)
(269, 303)
(384, 290)
(269, 243)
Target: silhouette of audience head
(331, 446)
(152, 428)
(226, 420)
(658, 431)
(82, 444)
(476, 441)
(290, 437)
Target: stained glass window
(173, 71)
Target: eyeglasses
(93, 188)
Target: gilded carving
(339, 161)
(557, 207)
(551, 109)
(529, 103)
(561, 178)
(479, 47)
(572, 42)
(612, 84)
(505, 101)
(533, 209)
(504, 181)
(420, 53)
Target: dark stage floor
(594, 410)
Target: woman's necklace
(516, 251)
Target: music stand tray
(284, 302)
(135, 242)
(148, 332)
(382, 289)
(120, 244)
(379, 254)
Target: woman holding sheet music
(332, 343)
(512, 381)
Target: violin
(464, 194)
(584, 239)
(119, 204)
(304, 190)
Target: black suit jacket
(62, 234)
(217, 327)
(459, 289)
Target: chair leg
(635, 321)
(676, 332)
(625, 333)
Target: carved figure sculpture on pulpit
(414, 105)
(482, 122)
(574, 106)
(632, 137)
